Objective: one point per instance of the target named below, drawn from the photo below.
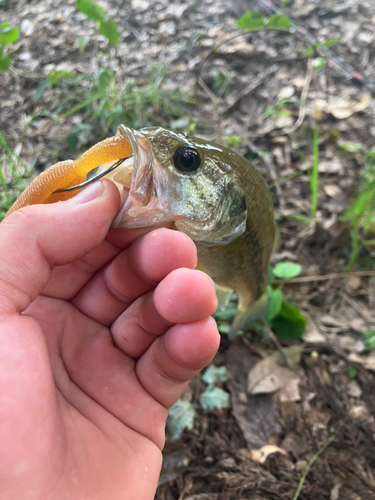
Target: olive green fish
(209, 192)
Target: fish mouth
(144, 203)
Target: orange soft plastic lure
(71, 173)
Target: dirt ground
(259, 93)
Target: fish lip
(143, 157)
(146, 203)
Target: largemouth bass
(209, 192)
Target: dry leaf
(328, 320)
(368, 361)
(312, 335)
(354, 390)
(268, 375)
(261, 455)
(286, 92)
(340, 108)
(290, 392)
(335, 492)
(333, 191)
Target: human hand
(101, 330)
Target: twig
(324, 277)
(287, 362)
(317, 455)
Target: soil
(259, 93)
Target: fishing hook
(93, 179)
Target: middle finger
(134, 272)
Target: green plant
(369, 337)
(284, 318)
(103, 103)
(255, 21)
(13, 173)
(8, 36)
(107, 25)
(361, 212)
(181, 415)
(278, 109)
(314, 172)
(232, 141)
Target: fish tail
(247, 312)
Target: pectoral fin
(255, 310)
(223, 296)
(70, 173)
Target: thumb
(36, 238)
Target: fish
(209, 192)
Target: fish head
(187, 181)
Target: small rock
(354, 390)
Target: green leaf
(4, 63)
(55, 75)
(8, 35)
(83, 40)
(268, 112)
(180, 417)
(318, 63)
(232, 141)
(72, 141)
(271, 276)
(251, 20)
(216, 375)
(310, 50)
(351, 147)
(289, 323)
(105, 77)
(352, 372)
(330, 42)
(278, 21)
(370, 339)
(284, 112)
(275, 300)
(41, 88)
(225, 329)
(91, 10)
(287, 270)
(228, 314)
(213, 398)
(110, 31)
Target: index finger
(66, 281)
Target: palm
(94, 434)
(87, 374)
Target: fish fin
(276, 241)
(223, 296)
(255, 310)
(70, 173)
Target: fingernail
(90, 193)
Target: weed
(107, 25)
(8, 36)
(12, 176)
(361, 213)
(103, 104)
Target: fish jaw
(147, 202)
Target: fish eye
(186, 159)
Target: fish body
(209, 192)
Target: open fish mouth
(142, 184)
